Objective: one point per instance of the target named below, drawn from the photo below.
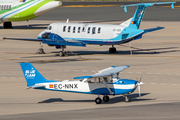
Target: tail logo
(30, 74)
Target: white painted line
(3, 77)
(153, 83)
(129, 72)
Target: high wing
(105, 72)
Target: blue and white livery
(105, 82)
(61, 35)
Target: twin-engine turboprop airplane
(24, 10)
(61, 35)
(105, 82)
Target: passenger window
(89, 29)
(91, 80)
(64, 28)
(99, 30)
(69, 28)
(74, 29)
(9, 7)
(93, 30)
(79, 29)
(83, 30)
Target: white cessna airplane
(24, 10)
(61, 35)
(105, 82)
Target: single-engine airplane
(61, 35)
(24, 10)
(105, 82)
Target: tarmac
(156, 60)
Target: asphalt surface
(156, 59)
(110, 13)
(143, 112)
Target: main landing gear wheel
(62, 53)
(7, 25)
(112, 49)
(98, 100)
(40, 51)
(106, 98)
(126, 99)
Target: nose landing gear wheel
(106, 98)
(40, 51)
(98, 100)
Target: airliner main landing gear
(112, 49)
(63, 52)
(7, 25)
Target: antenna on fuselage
(67, 21)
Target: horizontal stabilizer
(153, 29)
(135, 21)
(148, 4)
(105, 72)
(37, 86)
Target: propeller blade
(139, 88)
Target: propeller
(139, 83)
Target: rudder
(31, 75)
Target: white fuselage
(89, 88)
(85, 32)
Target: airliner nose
(47, 7)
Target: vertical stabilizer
(31, 75)
(135, 21)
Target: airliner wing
(105, 72)
(51, 41)
(25, 39)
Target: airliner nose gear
(40, 50)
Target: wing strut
(107, 87)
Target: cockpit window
(49, 27)
(45, 35)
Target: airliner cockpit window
(49, 28)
